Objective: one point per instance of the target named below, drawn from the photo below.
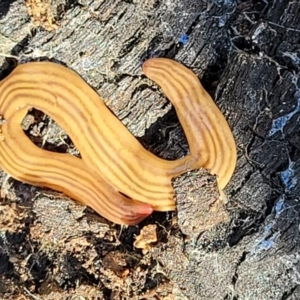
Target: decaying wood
(246, 54)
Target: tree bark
(246, 54)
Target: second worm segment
(110, 153)
(210, 139)
(65, 173)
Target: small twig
(31, 295)
(9, 55)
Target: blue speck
(268, 228)
(222, 21)
(278, 124)
(184, 39)
(279, 206)
(287, 177)
(266, 245)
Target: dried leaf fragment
(42, 13)
(146, 237)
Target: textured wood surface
(246, 54)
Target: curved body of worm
(65, 173)
(105, 144)
(210, 139)
(113, 161)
